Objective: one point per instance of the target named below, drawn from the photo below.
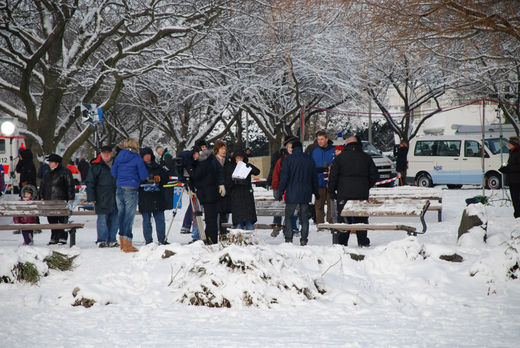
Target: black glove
(317, 196)
(333, 195)
(276, 195)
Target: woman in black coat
(242, 200)
(223, 203)
(26, 168)
(401, 163)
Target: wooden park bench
(38, 208)
(399, 207)
(412, 193)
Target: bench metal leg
(439, 215)
(72, 237)
(335, 234)
(423, 225)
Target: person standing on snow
(323, 155)
(151, 198)
(512, 170)
(351, 176)
(57, 184)
(129, 170)
(299, 181)
(243, 210)
(101, 190)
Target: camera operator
(185, 160)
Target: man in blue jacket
(299, 181)
(323, 154)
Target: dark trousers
(514, 189)
(402, 180)
(56, 235)
(290, 208)
(361, 235)
(210, 217)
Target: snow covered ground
(281, 295)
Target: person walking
(351, 176)
(401, 162)
(101, 190)
(323, 155)
(151, 198)
(128, 170)
(298, 180)
(243, 210)
(57, 184)
(25, 167)
(512, 171)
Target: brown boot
(120, 242)
(128, 247)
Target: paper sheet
(241, 171)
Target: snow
(401, 295)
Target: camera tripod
(195, 209)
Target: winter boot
(120, 242)
(128, 247)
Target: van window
(450, 148)
(471, 148)
(424, 148)
(2, 145)
(494, 145)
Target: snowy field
(401, 295)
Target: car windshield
(370, 149)
(494, 145)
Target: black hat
(288, 139)
(145, 151)
(106, 148)
(196, 149)
(54, 158)
(201, 142)
(514, 140)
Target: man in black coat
(151, 198)
(299, 181)
(512, 171)
(401, 162)
(351, 176)
(57, 184)
(101, 190)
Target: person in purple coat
(129, 170)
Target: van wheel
(493, 181)
(454, 187)
(424, 180)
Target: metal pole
(501, 150)
(482, 147)
(370, 139)
(247, 130)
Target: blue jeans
(245, 225)
(107, 225)
(160, 226)
(304, 220)
(126, 201)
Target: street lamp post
(8, 128)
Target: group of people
(331, 173)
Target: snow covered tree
(55, 55)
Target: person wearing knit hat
(202, 144)
(57, 184)
(512, 171)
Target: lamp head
(8, 128)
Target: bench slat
(18, 227)
(361, 227)
(396, 207)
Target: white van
(455, 161)
(9, 158)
